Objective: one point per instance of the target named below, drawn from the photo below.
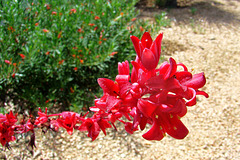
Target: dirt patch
(207, 41)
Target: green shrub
(52, 52)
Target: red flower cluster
(149, 95)
(7, 123)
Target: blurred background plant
(52, 52)
(162, 20)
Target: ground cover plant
(152, 95)
(52, 52)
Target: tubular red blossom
(148, 51)
(123, 68)
(68, 121)
(92, 127)
(42, 119)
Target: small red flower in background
(95, 28)
(11, 29)
(47, 53)
(121, 13)
(81, 61)
(45, 30)
(61, 62)
(54, 13)
(96, 18)
(59, 35)
(113, 53)
(71, 90)
(36, 24)
(133, 19)
(7, 61)
(99, 42)
(47, 6)
(141, 28)
(91, 24)
(75, 68)
(22, 56)
(80, 30)
(73, 11)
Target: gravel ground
(207, 41)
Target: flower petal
(158, 41)
(148, 59)
(108, 86)
(191, 93)
(146, 40)
(171, 70)
(174, 127)
(135, 42)
(197, 81)
(146, 107)
(123, 68)
(158, 82)
(156, 132)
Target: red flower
(71, 90)
(61, 62)
(147, 50)
(59, 35)
(45, 30)
(133, 19)
(113, 53)
(91, 24)
(42, 119)
(22, 56)
(47, 6)
(80, 30)
(54, 13)
(7, 123)
(6, 134)
(91, 126)
(68, 121)
(73, 11)
(7, 61)
(96, 18)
